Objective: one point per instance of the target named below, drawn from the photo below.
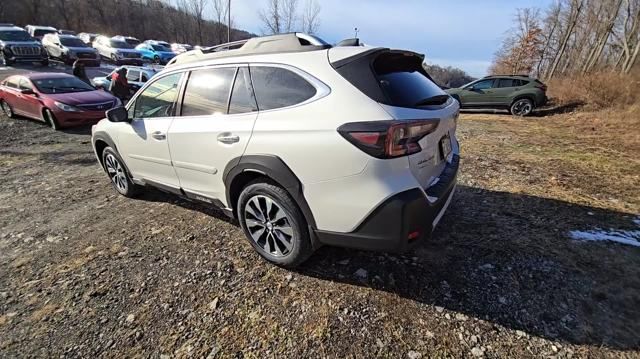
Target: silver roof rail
(291, 42)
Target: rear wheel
(6, 109)
(273, 224)
(521, 107)
(156, 59)
(117, 172)
(51, 120)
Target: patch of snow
(631, 238)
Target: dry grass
(598, 90)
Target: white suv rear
(304, 143)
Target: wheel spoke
(285, 229)
(253, 223)
(282, 240)
(253, 208)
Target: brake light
(388, 139)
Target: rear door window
(506, 83)
(242, 99)
(404, 80)
(207, 91)
(276, 87)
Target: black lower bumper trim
(401, 221)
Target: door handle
(228, 138)
(159, 136)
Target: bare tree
(220, 16)
(197, 9)
(279, 16)
(311, 17)
(271, 17)
(575, 9)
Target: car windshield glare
(15, 36)
(55, 85)
(120, 45)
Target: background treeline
(572, 37)
(448, 76)
(198, 22)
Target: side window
(483, 85)
(12, 83)
(207, 91)
(276, 87)
(159, 99)
(507, 83)
(25, 84)
(242, 99)
(133, 75)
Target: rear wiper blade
(433, 100)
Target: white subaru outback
(302, 142)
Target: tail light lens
(388, 139)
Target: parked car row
(38, 43)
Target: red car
(59, 99)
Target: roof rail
(519, 75)
(290, 42)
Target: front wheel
(44, 62)
(117, 172)
(273, 224)
(156, 59)
(521, 107)
(51, 120)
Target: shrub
(597, 90)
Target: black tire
(156, 59)
(282, 237)
(114, 59)
(118, 174)
(44, 62)
(521, 107)
(50, 119)
(6, 109)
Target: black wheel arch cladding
(272, 167)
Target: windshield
(61, 85)
(120, 45)
(72, 42)
(41, 33)
(159, 48)
(15, 36)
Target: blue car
(155, 53)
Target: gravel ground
(85, 272)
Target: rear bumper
(402, 220)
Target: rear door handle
(159, 136)
(228, 138)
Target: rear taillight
(388, 139)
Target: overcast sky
(460, 33)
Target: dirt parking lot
(86, 273)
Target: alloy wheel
(116, 173)
(269, 226)
(6, 109)
(522, 107)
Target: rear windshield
(72, 42)
(392, 77)
(404, 80)
(43, 32)
(117, 44)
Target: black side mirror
(118, 114)
(27, 92)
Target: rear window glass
(242, 99)
(276, 87)
(506, 82)
(403, 80)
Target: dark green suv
(519, 94)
